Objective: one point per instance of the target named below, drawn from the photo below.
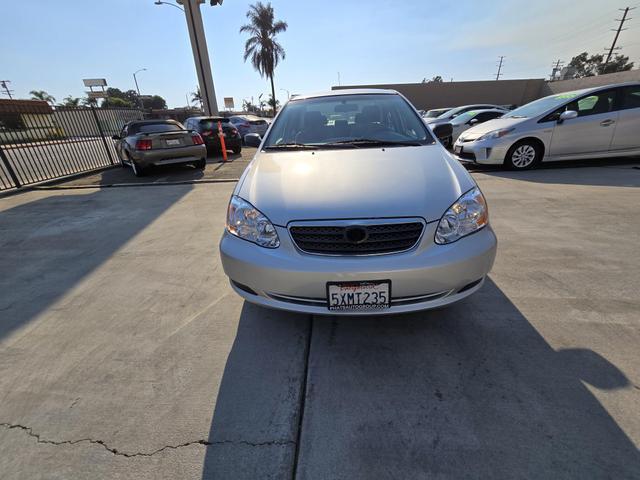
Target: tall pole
(615, 39)
(555, 68)
(137, 87)
(3, 84)
(499, 67)
(200, 54)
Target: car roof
(210, 117)
(346, 91)
(152, 121)
(583, 91)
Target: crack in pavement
(206, 443)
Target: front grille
(379, 238)
(467, 155)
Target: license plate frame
(359, 292)
(457, 149)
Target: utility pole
(615, 39)
(499, 67)
(555, 68)
(200, 53)
(3, 84)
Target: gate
(39, 142)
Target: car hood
(354, 183)
(491, 125)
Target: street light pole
(200, 54)
(136, 82)
(288, 94)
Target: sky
(52, 45)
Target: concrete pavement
(124, 353)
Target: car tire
(523, 155)
(237, 150)
(138, 170)
(200, 164)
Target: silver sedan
(592, 123)
(365, 213)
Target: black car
(207, 127)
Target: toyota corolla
(350, 206)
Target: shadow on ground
(472, 391)
(50, 244)
(596, 172)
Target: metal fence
(39, 142)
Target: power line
(7, 91)
(499, 68)
(620, 29)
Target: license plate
(359, 296)
(173, 142)
(457, 149)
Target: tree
(274, 105)
(261, 46)
(70, 101)
(196, 97)
(584, 65)
(89, 102)
(156, 102)
(249, 107)
(116, 102)
(42, 95)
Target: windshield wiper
(376, 143)
(291, 146)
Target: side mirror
(473, 121)
(115, 137)
(567, 115)
(252, 140)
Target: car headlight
(247, 222)
(467, 215)
(496, 133)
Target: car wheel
(200, 164)
(138, 170)
(237, 150)
(523, 155)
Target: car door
(591, 131)
(627, 132)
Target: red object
(144, 144)
(197, 139)
(223, 145)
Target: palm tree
(196, 97)
(42, 95)
(70, 101)
(261, 46)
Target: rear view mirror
(252, 140)
(567, 115)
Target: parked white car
(472, 118)
(592, 123)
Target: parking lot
(125, 354)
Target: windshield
(348, 118)
(435, 113)
(538, 107)
(464, 117)
(156, 128)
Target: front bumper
(489, 152)
(165, 156)
(428, 276)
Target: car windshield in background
(464, 117)
(434, 113)
(157, 128)
(348, 120)
(213, 124)
(538, 107)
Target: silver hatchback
(592, 123)
(350, 206)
